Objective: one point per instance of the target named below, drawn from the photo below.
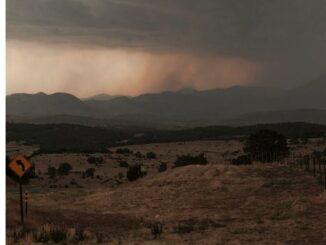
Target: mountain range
(101, 97)
(185, 108)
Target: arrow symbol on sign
(21, 164)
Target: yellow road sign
(20, 165)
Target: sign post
(20, 165)
(21, 201)
(26, 201)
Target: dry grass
(211, 204)
(201, 204)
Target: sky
(130, 47)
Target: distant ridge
(98, 139)
(101, 97)
(184, 108)
(314, 116)
(41, 104)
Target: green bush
(64, 169)
(151, 155)
(185, 160)
(162, 167)
(135, 172)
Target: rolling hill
(41, 104)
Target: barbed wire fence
(312, 163)
(315, 165)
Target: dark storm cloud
(287, 36)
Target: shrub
(64, 169)
(266, 146)
(123, 164)
(50, 234)
(162, 167)
(41, 237)
(89, 172)
(135, 172)
(184, 227)
(123, 151)
(138, 154)
(242, 160)
(55, 234)
(151, 155)
(185, 160)
(187, 226)
(156, 229)
(80, 235)
(95, 160)
(52, 172)
(58, 235)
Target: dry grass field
(217, 203)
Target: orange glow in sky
(85, 71)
